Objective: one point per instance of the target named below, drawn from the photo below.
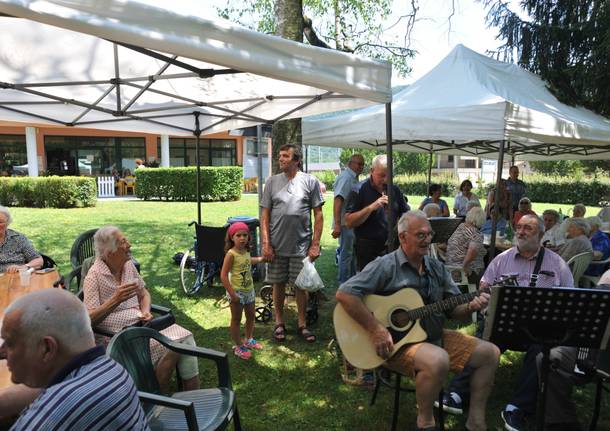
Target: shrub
(327, 177)
(417, 184)
(567, 190)
(222, 183)
(52, 192)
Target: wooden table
(11, 289)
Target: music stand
(444, 227)
(521, 316)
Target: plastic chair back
(210, 243)
(82, 248)
(578, 265)
(131, 349)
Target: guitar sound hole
(400, 318)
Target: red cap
(237, 227)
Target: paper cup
(24, 277)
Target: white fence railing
(105, 187)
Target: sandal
(279, 332)
(306, 334)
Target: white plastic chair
(578, 265)
(591, 281)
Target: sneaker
(253, 344)
(452, 404)
(513, 420)
(242, 352)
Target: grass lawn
(294, 385)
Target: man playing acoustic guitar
(429, 361)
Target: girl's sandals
(306, 334)
(279, 332)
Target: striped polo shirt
(92, 392)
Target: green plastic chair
(82, 248)
(202, 409)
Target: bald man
(67, 381)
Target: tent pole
(494, 214)
(429, 169)
(259, 165)
(390, 212)
(198, 176)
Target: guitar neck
(441, 306)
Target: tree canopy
(566, 42)
(358, 26)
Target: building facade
(90, 152)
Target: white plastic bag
(309, 279)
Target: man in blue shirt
(367, 212)
(344, 183)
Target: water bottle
(509, 232)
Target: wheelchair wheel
(266, 294)
(190, 277)
(263, 314)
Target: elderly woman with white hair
(577, 232)
(465, 246)
(16, 251)
(116, 297)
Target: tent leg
(494, 214)
(429, 169)
(388, 133)
(198, 176)
(259, 166)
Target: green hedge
(52, 192)
(222, 183)
(567, 190)
(327, 177)
(417, 184)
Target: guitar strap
(539, 258)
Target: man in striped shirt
(49, 344)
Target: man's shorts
(459, 347)
(284, 269)
(245, 297)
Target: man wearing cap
(288, 200)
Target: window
(251, 147)
(212, 152)
(76, 155)
(470, 163)
(13, 152)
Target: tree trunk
(289, 19)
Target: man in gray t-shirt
(286, 233)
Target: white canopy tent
(468, 105)
(125, 65)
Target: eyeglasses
(424, 235)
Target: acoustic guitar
(399, 313)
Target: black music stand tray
(444, 227)
(558, 316)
